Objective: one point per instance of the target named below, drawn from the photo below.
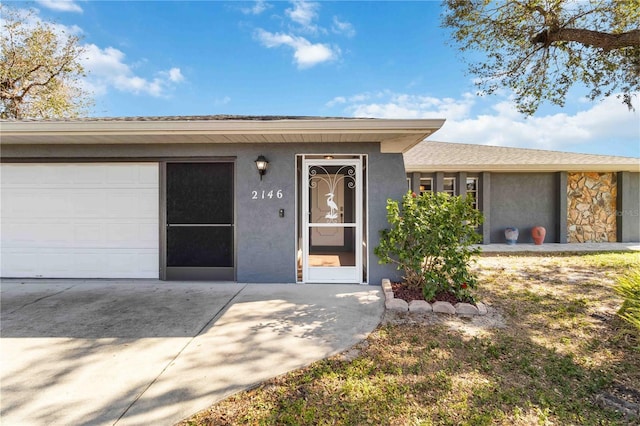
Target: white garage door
(88, 220)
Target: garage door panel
(59, 176)
(22, 175)
(147, 205)
(88, 235)
(26, 203)
(124, 175)
(25, 235)
(122, 204)
(89, 174)
(121, 175)
(125, 263)
(87, 261)
(72, 204)
(148, 177)
(117, 263)
(65, 263)
(80, 220)
(90, 204)
(148, 263)
(80, 235)
(50, 263)
(132, 235)
(139, 204)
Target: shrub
(628, 286)
(430, 239)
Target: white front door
(332, 220)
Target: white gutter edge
(151, 127)
(526, 168)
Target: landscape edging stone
(420, 306)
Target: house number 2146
(264, 194)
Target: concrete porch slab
(555, 247)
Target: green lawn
(550, 345)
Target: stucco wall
(628, 207)
(523, 200)
(265, 242)
(387, 179)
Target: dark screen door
(200, 221)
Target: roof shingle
(430, 156)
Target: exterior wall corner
(628, 207)
(562, 208)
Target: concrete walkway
(555, 248)
(107, 352)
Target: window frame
(426, 179)
(451, 191)
(475, 191)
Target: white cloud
(107, 69)
(60, 5)
(258, 7)
(223, 101)
(303, 13)
(175, 75)
(386, 104)
(306, 54)
(601, 124)
(30, 19)
(340, 27)
(591, 130)
(336, 101)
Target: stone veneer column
(591, 207)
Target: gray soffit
(394, 135)
(454, 157)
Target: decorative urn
(538, 233)
(511, 235)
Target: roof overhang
(394, 136)
(525, 168)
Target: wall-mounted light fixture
(261, 165)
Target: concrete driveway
(143, 352)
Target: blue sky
(347, 59)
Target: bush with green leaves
(628, 286)
(431, 239)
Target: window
(409, 184)
(426, 185)
(472, 191)
(450, 186)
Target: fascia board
(525, 168)
(116, 127)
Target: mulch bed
(401, 291)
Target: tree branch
(50, 77)
(598, 39)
